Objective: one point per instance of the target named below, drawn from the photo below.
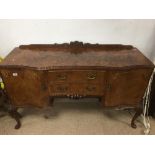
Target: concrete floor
(67, 117)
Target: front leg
(16, 115)
(49, 110)
(139, 111)
(51, 101)
(101, 100)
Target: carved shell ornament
(76, 47)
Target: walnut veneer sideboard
(117, 74)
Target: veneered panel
(126, 87)
(25, 87)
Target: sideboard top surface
(77, 55)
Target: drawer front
(82, 89)
(58, 76)
(89, 76)
(87, 89)
(76, 76)
(93, 89)
(59, 89)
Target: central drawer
(87, 82)
(84, 89)
(76, 76)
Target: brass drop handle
(61, 77)
(91, 76)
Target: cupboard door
(126, 87)
(24, 87)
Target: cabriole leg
(49, 111)
(16, 115)
(101, 100)
(51, 101)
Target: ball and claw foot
(133, 125)
(46, 117)
(18, 125)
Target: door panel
(126, 87)
(24, 87)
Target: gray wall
(140, 33)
